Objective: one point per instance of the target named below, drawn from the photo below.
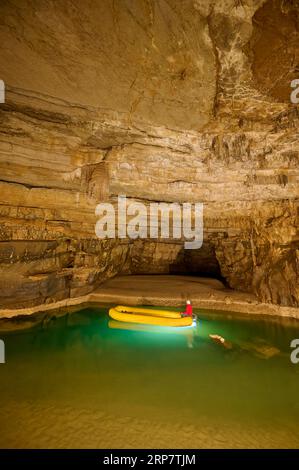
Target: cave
(149, 242)
(166, 101)
(202, 263)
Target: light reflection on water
(77, 382)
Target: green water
(73, 381)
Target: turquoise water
(80, 381)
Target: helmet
(188, 302)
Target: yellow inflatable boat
(185, 331)
(148, 316)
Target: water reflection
(91, 375)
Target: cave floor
(167, 291)
(173, 290)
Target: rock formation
(166, 100)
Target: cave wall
(164, 101)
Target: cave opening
(200, 263)
(169, 258)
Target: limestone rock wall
(161, 101)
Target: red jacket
(189, 310)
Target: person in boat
(189, 311)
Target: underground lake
(81, 380)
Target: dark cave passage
(201, 262)
(171, 258)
